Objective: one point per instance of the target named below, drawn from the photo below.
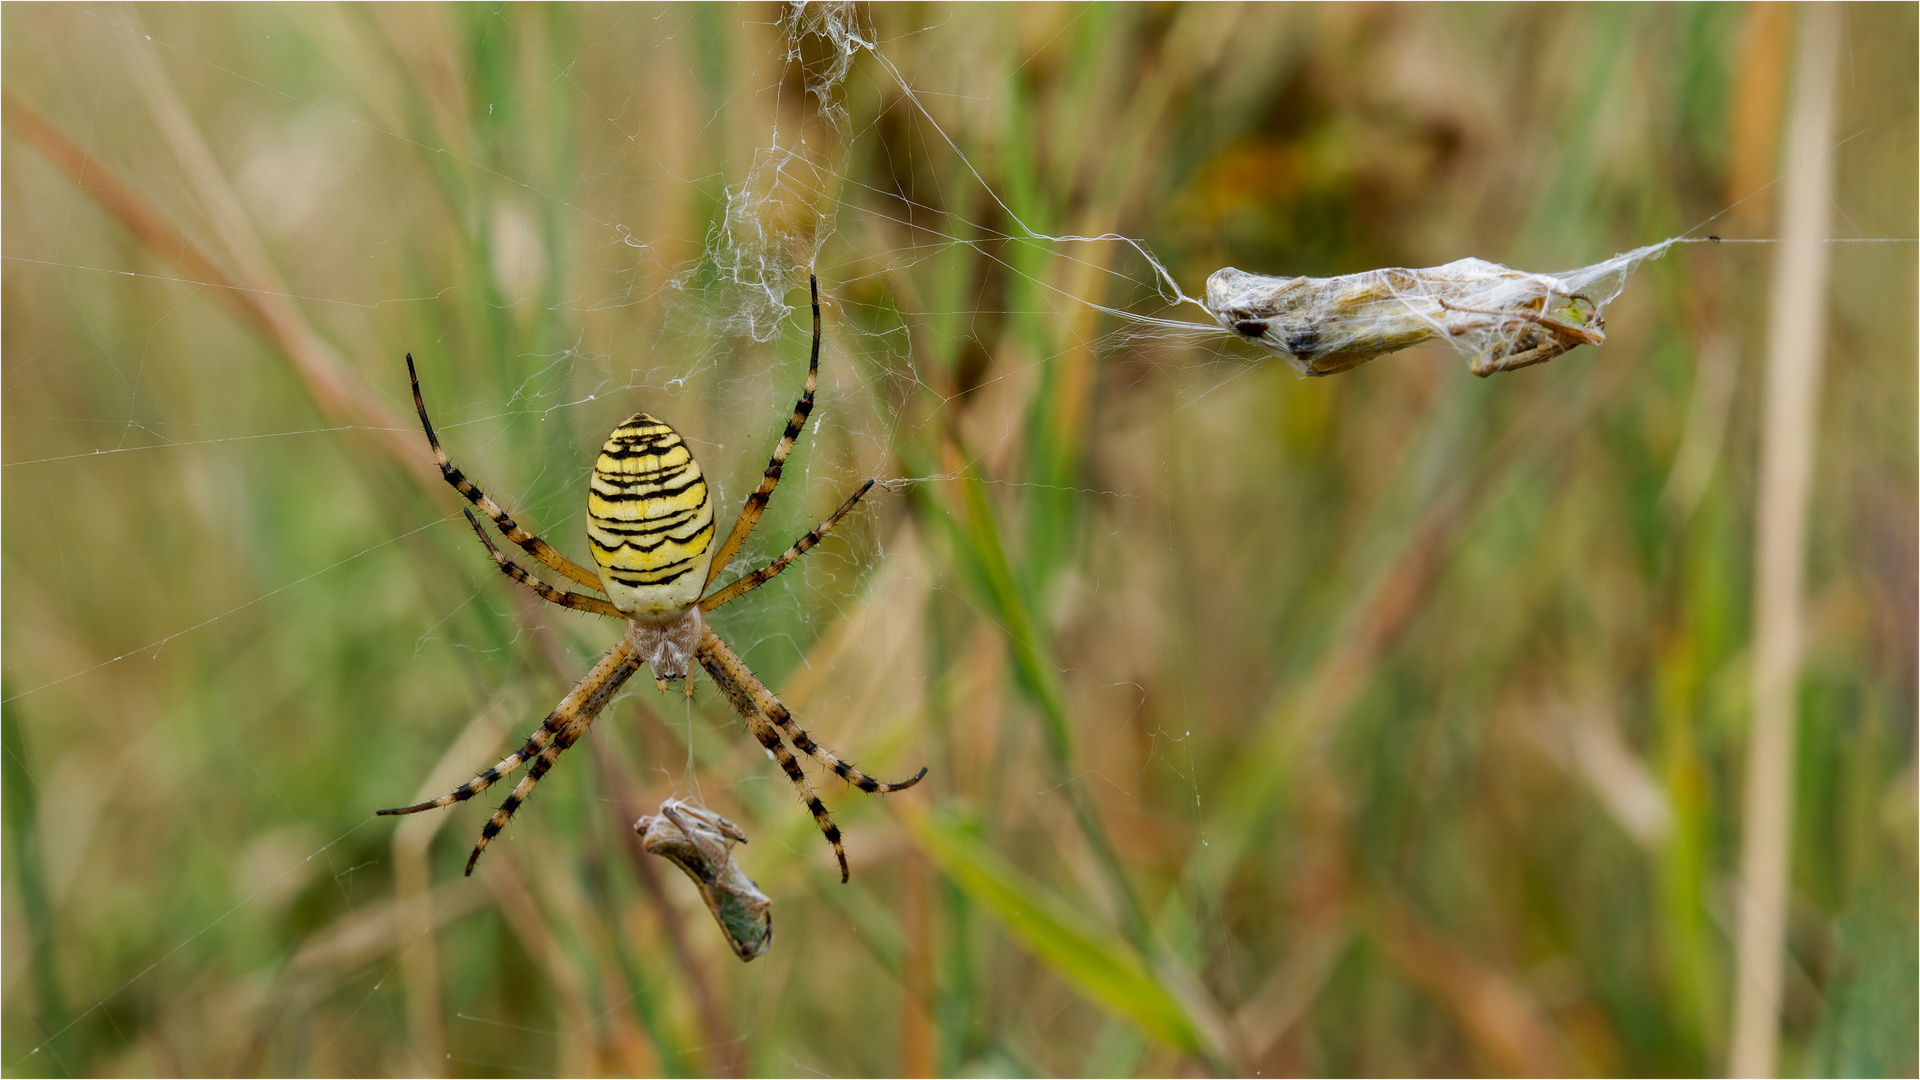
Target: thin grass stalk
(412, 886)
(919, 1054)
(22, 802)
(1786, 467)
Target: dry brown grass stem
(139, 216)
(1495, 1008)
(507, 880)
(257, 295)
(1282, 1000)
(1798, 324)
(349, 944)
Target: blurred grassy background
(1386, 723)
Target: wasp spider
(650, 526)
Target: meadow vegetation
(1386, 723)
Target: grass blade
(1094, 960)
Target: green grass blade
(1093, 959)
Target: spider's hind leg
(757, 501)
(470, 491)
(573, 600)
(749, 582)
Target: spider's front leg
(569, 733)
(769, 739)
(764, 702)
(767, 718)
(563, 726)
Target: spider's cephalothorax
(650, 525)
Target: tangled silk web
(780, 216)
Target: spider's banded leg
(743, 677)
(557, 720)
(769, 739)
(757, 502)
(528, 542)
(568, 734)
(750, 582)
(479, 783)
(574, 600)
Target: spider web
(704, 328)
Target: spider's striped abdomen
(650, 521)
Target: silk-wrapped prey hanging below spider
(700, 842)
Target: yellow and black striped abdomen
(650, 520)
